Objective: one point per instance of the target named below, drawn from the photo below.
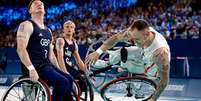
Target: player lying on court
(151, 51)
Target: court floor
(177, 90)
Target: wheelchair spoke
(8, 100)
(17, 93)
(13, 95)
(128, 88)
(26, 90)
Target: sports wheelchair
(119, 86)
(24, 89)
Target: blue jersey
(68, 53)
(38, 45)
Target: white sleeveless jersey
(140, 60)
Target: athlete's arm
(161, 58)
(52, 56)
(78, 59)
(23, 35)
(60, 54)
(109, 43)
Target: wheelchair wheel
(88, 93)
(129, 89)
(27, 90)
(75, 96)
(91, 92)
(76, 88)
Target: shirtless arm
(161, 58)
(78, 59)
(60, 54)
(109, 43)
(23, 35)
(52, 56)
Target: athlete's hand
(33, 75)
(92, 58)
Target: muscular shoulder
(161, 51)
(161, 56)
(24, 31)
(28, 23)
(26, 26)
(60, 40)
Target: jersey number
(45, 53)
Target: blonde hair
(69, 22)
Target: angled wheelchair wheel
(88, 93)
(27, 90)
(76, 88)
(128, 89)
(76, 91)
(75, 96)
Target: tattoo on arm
(21, 36)
(21, 28)
(59, 44)
(159, 91)
(161, 58)
(59, 47)
(162, 61)
(111, 41)
(22, 33)
(117, 37)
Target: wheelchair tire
(124, 88)
(15, 91)
(88, 93)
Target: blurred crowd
(175, 19)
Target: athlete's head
(36, 7)
(139, 31)
(69, 27)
